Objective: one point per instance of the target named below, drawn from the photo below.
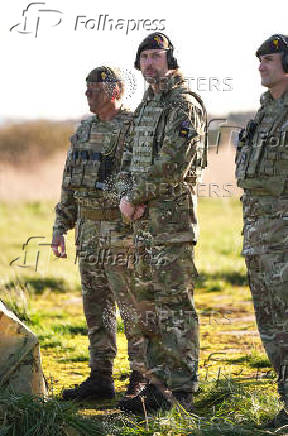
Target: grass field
(237, 387)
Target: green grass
(217, 253)
(27, 416)
(237, 387)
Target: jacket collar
(167, 83)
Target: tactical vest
(262, 152)
(149, 130)
(145, 135)
(95, 152)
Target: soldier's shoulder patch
(184, 129)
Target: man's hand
(139, 211)
(129, 211)
(59, 241)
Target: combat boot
(137, 383)
(152, 398)
(98, 386)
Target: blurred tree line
(22, 142)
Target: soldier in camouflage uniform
(262, 171)
(168, 156)
(104, 242)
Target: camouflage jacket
(93, 159)
(262, 152)
(168, 155)
(261, 170)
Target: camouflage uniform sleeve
(179, 150)
(66, 209)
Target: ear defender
(285, 52)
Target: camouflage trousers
(268, 280)
(167, 317)
(105, 283)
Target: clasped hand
(129, 211)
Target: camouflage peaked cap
(277, 43)
(102, 74)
